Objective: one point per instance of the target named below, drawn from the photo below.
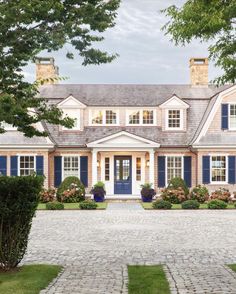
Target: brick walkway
(95, 246)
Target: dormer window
(74, 114)
(111, 117)
(97, 117)
(134, 117)
(104, 117)
(140, 117)
(174, 119)
(148, 117)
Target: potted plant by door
(98, 192)
(147, 192)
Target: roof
(125, 95)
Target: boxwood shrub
(161, 204)
(190, 204)
(88, 204)
(19, 198)
(217, 204)
(54, 205)
(71, 190)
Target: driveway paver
(95, 247)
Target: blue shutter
(188, 170)
(14, 165)
(57, 170)
(224, 116)
(231, 169)
(161, 171)
(206, 169)
(84, 170)
(3, 165)
(39, 165)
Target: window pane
(97, 117)
(26, 165)
(138, 169)
(110, 117)
(174, 167)
(107, 169)
(148, 117)
(174, 118)
(134, 117)
(233, 116)
(71, 166)
(218, 168)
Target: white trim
(18, 161)
(98, 144)
(166, 168)
(226, 169)
(79, 104)
(167, 105)
(213, 112)
(181, 127)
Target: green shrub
(199, 193)
(190, 204)
(19, 198)
(71, 190)
(88, 204)
(47, 195)
(54, 205)
(161, 204)
(176, 183)
(235, 204)
(217, 204)
(174, 196)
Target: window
(138, 169)
(97, 117)
(174, 167)
(27, 165)
(218, 168)
(174, 119)
(71, 166)
(134, 118)
(74, 114)
(148, 117)
(110, 117)
(232, 117)
(107, 169)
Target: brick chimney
(199, 71)
(45, 69)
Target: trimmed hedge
(190, 204)
(217, 204)
(88, 204)
(54, 206)
(71, 190)
(161, 204)
(19, 198)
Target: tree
(27, 28)
(207, 20)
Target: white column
(151, 167)
(94, 167)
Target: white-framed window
(71, 166)
(174, 167)
(138, 169)
(218, 169)
(100, 117)
(174, 119)
(74, 114)
(232, 116)
(26, 165)
(140, 117)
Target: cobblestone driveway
(95, 246)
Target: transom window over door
(218, 168)
(27, 165)
(71, 166)
(232, 118)
(174, 119)
(174, 167)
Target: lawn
(68, 206)
(147, 280)
(148, 205)
(29, 279)
(233, 267)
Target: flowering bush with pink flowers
(72, 195)
(221, 194)
(48, 195)
(174, 196)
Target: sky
(146, 55)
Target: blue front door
(123, 175)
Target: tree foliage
(27, 28)
(211, 21)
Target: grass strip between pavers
(233, 267)
(74, 206)
(147, 280)
(28, 279)
(148, 205)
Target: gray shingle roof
(16, 138)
